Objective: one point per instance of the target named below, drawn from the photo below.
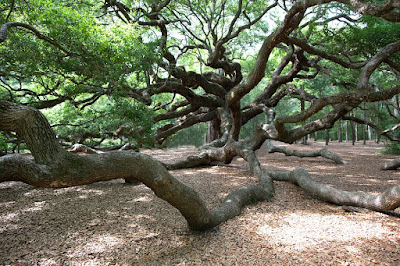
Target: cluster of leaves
(102, 119)
(97, 57)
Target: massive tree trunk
(54, 167)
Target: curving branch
(346, 97)
(317, 153)
(186, 121)
(7, 26)
(290, 22)
(193, 98)
(393, 165)
(385, 201)
(312, 50)
(57, 168)
(389, 10)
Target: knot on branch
(270, 115)
(270, 131)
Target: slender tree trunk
(364, 127)
(378, 123)
(396, 105)
(327, 137)
(369, 133)
(236, 122)
(213, 130)
(377, 136)
(339, 130)
(356, 131)
(54, 167)
(364, 135)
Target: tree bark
(393, 165)
(387, 200)
(55, 168)
(353, 132)
(327, 137)
(290, 152)
(339, 130)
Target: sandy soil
(111, 223)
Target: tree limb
(290, 152)
(385, 201)
(392, 165)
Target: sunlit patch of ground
(307, 230)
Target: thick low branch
(186, 121)
(175, 113)
(392, 165)
(57, 168)
(385, 201)
(290, 152)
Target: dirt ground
(112, 223)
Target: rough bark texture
(54, 167)
(387, 200)
(289, 152)
(393, 165)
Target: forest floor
(112, 223)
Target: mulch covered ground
(111, 223)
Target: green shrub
(392, 148)
(3, 143)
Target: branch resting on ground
(54, 167)
(385, 201)
(290, 152)
(392, 165)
